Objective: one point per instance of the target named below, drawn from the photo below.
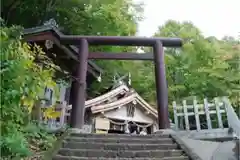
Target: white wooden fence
(61, 122)
(184, 111)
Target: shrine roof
(65, 55)
(111, 100)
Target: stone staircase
(119, 147)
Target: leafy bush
(22, 81)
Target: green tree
(83, 17)
(200, 65)
(203, 67)
(22, 82)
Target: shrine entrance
(81, 44)
(121, 127)
(79, 85)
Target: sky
(213, 17)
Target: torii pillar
(161, 86)
(78, 87)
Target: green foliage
(204, 67)
(86, 17)
(83, 17)
(22, 82)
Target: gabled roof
(107, 96)
(133, 96)
(99, 103)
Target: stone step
(121, 140)
(118, 146)
(122, 154)
(59, 157)
(118, 135)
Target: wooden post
(71, 97)
(209, 122)
(161, 86)
(63, 111)
(219, 116)
(195, 106)
(185, 110)
(71, 93)
(79, 87)
(62, 93)
(175, 114)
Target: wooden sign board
(102, 123)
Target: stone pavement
(206, 150)
(225, 152)
(210, 150)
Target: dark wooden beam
(79, 87)
(161, 86)
(104, 40)
(39, 37)
(121, 56)
(120, 41)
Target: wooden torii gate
(79, 84)
(77, 97)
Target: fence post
(185, 109)
(175, 114)
(209, 122)
(195, 106)
(63, 111)
(219, 116)
(225, 108)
